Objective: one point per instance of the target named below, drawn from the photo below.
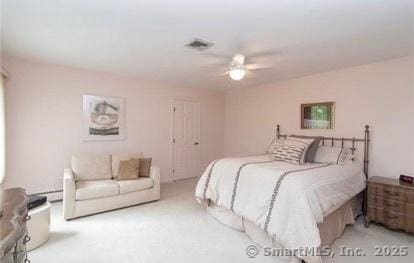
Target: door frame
(172, 135)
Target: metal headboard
(342, 140)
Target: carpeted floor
(177, 229)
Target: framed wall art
(318, 115)
(103, 118)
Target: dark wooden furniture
(13, 232)
(391, 203)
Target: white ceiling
(147, 38)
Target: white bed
(277, 203)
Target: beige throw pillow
(116, 158)
(129, 169)
(145, 166)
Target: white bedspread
(285, 200)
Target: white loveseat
(90, 186)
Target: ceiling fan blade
(224, 74)
(258, 66)
(265, 53)
(216, 56)
(215, 66)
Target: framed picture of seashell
(103, 118)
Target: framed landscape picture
(103, 118)
(318, 115)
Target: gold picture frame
(319, 116)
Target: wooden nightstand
(390, 203)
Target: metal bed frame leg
(366, 163)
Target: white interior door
(186, 139)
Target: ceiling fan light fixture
(237, 71)
(237, 74)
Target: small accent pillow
(288, 153)
(116, 158)
(272, 145)
(327, 154)
(310, 154)
(145, 167)
(128, 169)
(301, 142)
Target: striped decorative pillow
(273, 144)
(300, 142)
(288, 152)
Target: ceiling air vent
(199, 44)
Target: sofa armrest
(156, 176)
(69, 193)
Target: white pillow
(327, 154)
(300, 142)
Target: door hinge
(174, 140)
(173, 171)
(174, 109)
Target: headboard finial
(278, 131)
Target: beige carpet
(177, 229)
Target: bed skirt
(330, 229)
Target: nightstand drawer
(391, 192)
(390, 219)
(387, 204)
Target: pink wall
(44, 116)
(379, 94)
(44, 121)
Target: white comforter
(285, 200)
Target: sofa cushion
(140, 184)
(91, 167)
(86, 190)
(117, 158)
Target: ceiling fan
(237, 68)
